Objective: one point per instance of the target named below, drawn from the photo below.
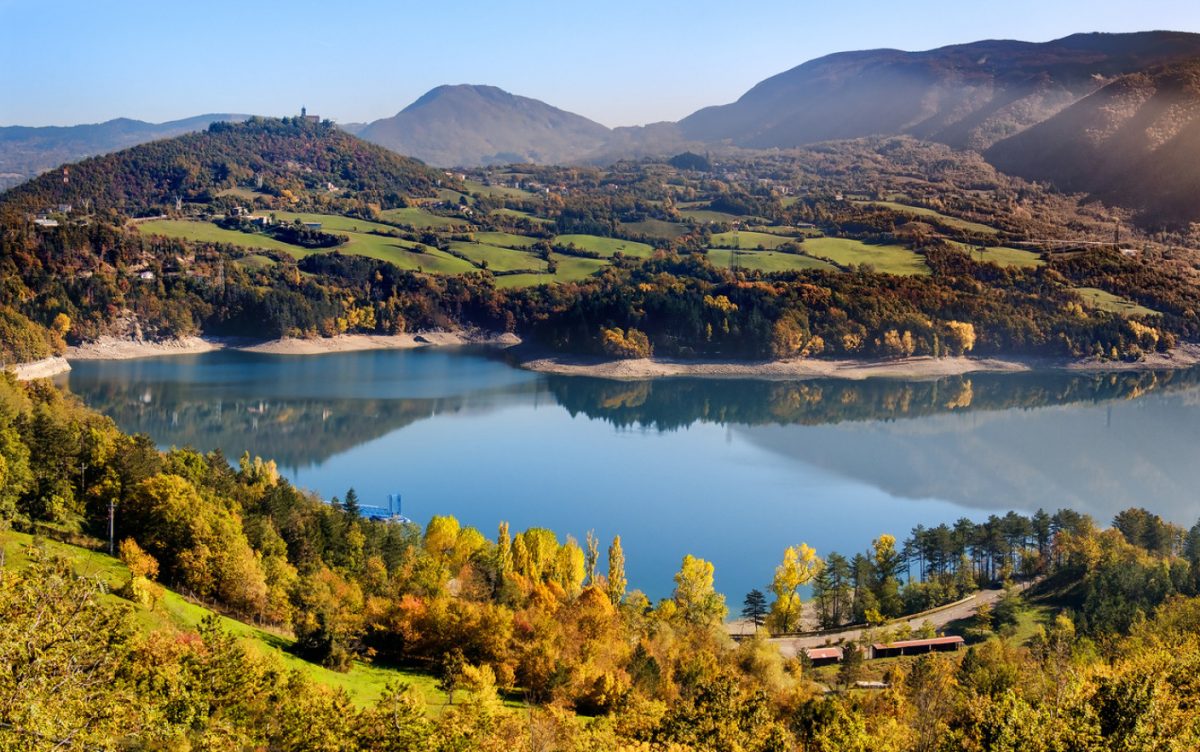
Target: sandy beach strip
(112, 348)
(915, 368)
(41, 369)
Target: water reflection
(733, 470)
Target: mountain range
(1114, 115)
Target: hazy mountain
(967, 96)
(473, 125)
(27, 151)
(1135, 142)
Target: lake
(730, 470)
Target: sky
(617, 62)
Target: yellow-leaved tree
(800, 565)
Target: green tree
(754, 608)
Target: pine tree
(755, 608)
(351, 506)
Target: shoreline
(112, 348)
(914, 368)
(541, 361)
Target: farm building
(915, 647)
(823, 656)
(312, 225)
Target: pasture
(606, 247)
(1102, 300)
(1004, 256)
(422, 219)
(920, 211)
(767, 261)
(656, 228)
(889, 259)
(496, 258)
(749, 240)
(207, 232)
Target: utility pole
(112, 509)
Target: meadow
(1094, 297)
(767, 261)
(1004, 256)
(890, 259)
(920, 211)
(748, 239)
(606, 247)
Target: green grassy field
(243, 193)
(422, 219)
(708, 215)
(207, 232)
(889, 259)
(570, 269)
(255, 261)
(809, 232)
(656, 228)
(1094, 297)
(767, 261)
(606, 247)
(363, 683)
(749, 240)
(498, 259)
(920, 211)
(495, 191)
(334, 223)
(505, 239)
(1004, 256)
(525, 215)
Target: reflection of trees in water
(671, 404)
(293, 432)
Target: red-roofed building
(915, 647)
(823, 656)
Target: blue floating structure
(391, 512)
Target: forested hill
(26, 151)
(291, 154)
(1135, 142)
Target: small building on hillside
(312, 225)
(915, 647)
(824, 656)
(259, 220)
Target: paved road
(789, 646)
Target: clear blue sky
(618, 62)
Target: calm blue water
(730, 470)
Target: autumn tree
(696, 599)
(616, 582)
(800, 565)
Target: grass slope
(363, 683)
(207, 232)
(920, 211)
(889, 259)
(1094, 297)
(606, 247)
(749, 240)
(422, 219)
(1004, 256)
(767, 261)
